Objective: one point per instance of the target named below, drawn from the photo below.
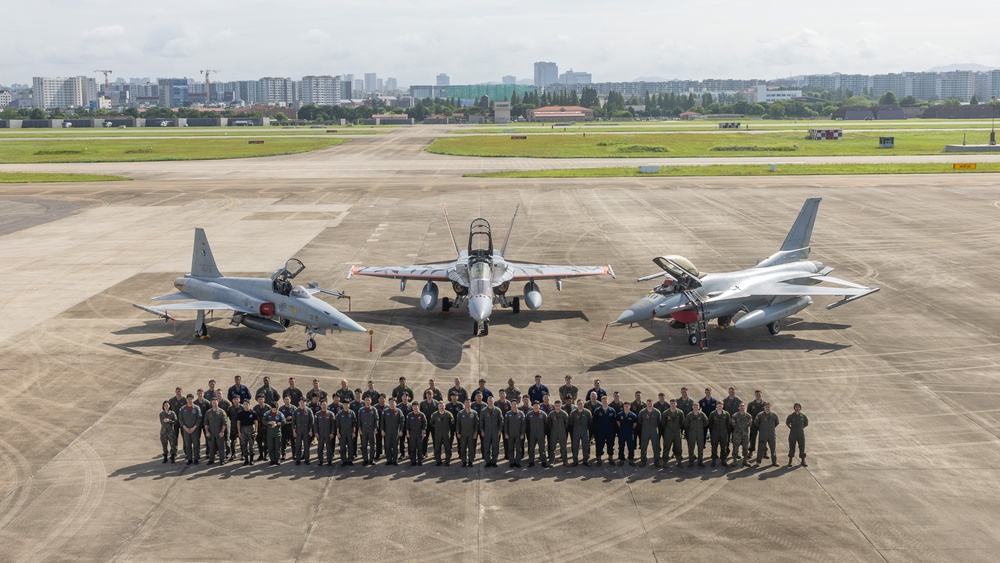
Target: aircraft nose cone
(639, 311)
(346, 323)
(480, 307)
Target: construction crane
(106, 73)
(208, 91)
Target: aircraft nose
(346, 323)
(639, 311)
(480, 307)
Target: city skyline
(416, 43)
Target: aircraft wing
(204, 306)
(524, 271)
(432, 272)
(173, 297)
(783, 289)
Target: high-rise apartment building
(546, 73)
(509, 79)
(321, 90)
(72, 92)
(443, 80)
(274, 90)
(370, 78)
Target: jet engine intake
(774, 312)
(266, 309)
(459, 288)
(502, 288)
(532, 296)
(429, 296)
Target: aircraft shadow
(442, 339)
(224, 342)
(664, 346)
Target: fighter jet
(265, 304)
(774, 289)
(481, 276)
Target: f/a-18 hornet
(266, 304)
(481, 276)
(774, 289)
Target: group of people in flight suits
(268, 424)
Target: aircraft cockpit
(281, 278)
(681, 274)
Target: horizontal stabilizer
(847, 300)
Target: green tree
(908, 101)
(974, 101)
(953, 102)
(858, 101)
(776, 110)
(888, 99)
(37, 113)
(280, 117)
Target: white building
(569, 77)
(73, 92)
(768, 96)
(277, 91)
(5, 98)
(443, 80)
(321, 90)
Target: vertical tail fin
(802, 230)
(202, 260)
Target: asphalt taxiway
(901, 388)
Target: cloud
(173, 42)
(104, 33)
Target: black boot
(164, 458)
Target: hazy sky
(414, 40)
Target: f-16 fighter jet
(481, 276)
(774, 289)
(266, 304)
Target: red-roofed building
(552, 114)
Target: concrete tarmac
(901, 388)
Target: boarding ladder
(701, 329)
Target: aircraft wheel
(311, 344)
(774, 328)
(516, 305)
(693, 339)
(486, 328)
(445, 304)
(286, 323)
(202, 331)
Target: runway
(901, 388)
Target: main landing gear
(774, 328)
(200, 328)
(480, 328)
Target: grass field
(193, 131)
(689, 144)
(712, 125)
(139, 149)
(41, 177)
(746, 170)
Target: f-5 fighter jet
(774, 289)
(265, 304)
(481, 276)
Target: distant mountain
(965, 66)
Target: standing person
(347, 428)
(719, 422)
(616, 403)
(261, 409)
(512, 392)
(435, 392)
(211, 392)
(755, 407)
(490, 428)
(367, 428)
(429, 406)
(638, 404)
(604, 430)
(694, 426)
(247, 426)
(537, 391)
(380, 408)
(371, 392)
(190, 420)
(558, 421)
(568, 393)
(597, 389)
(661, 405)
(168, 421)
(580, 422)
(766, 422)
(731, 403)
(204, 406)
(391, 428)
(270, 394)
(287, 411)
(672, 424)
(344, 393)
(684, 402)
(238, 390)
(176, 402)
(302, 430)
(292, 392)
(741, 434)
(454, 407)
(399, 390)
(797, 423)
(513, 431)
(459, 391)
(406, 408)
(441, 425)
(504, 405)
(326, 425)
(234, 411)
(482, 390)
(707, 404)
(467, 428)
(649, 432)
(416, 425)
(592, 402)
(536, 422)
(274, 421)
(216, 423)
(627, 421)
(320, 394)
(525, 404)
